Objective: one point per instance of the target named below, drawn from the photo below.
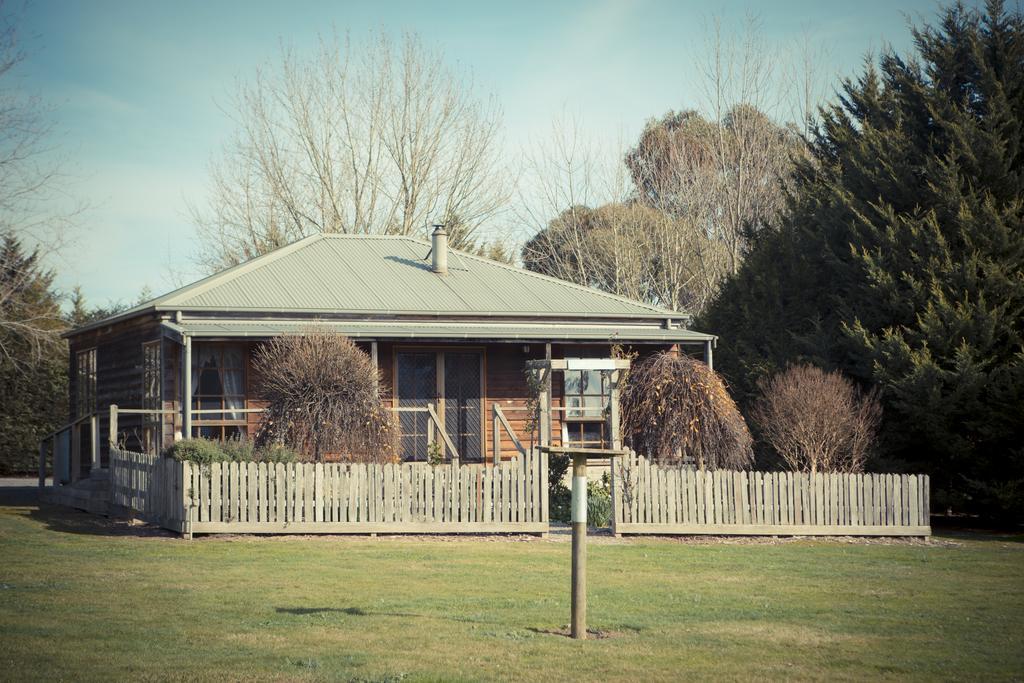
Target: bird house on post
(542, 370)
(578, 628)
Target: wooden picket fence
(335, 497)
(149, 487)
(652, 499)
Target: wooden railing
(116, 411)
(500, 422)
(653, 499)
(334, 497)
(64, 445)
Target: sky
(138, 89)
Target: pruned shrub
(238, 450)
(199, 451)
(206, 452)
(674, 407)
(817, 421)
(323, 397)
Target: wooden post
(613, 410)
(42, 464)
(94, 443)
(709, 355)
(186, 392)
(544, 406)
(112, 431)
(545, 399)
(76, 451)
(376, 365)
(579, 547)
(496, 437)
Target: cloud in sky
(137, 87)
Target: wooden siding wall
(252, 383)
(507, 386)
(120, 368)
(119, 363)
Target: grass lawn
(81, 599)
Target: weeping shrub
(323, 397)
(674, 406)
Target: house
(450, 332)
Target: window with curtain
(85, 382)
(152, 396)
(587, 393)
(218, 385)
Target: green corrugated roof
(389, 276)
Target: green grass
(81, 600)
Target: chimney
(439, 250)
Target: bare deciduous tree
(718, 176)
(323, 398)
(817, 421)
(35, 210)
(601, 235)
(376, 138)
(674, 406)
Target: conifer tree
(33, 376)
(901, 260)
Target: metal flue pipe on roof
(439, 250)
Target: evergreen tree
(33, 378)
(901, 260)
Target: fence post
(42, 464)
(616, 496)
(112, 431)
(184, 473)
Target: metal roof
(386, 329)
(383, 276)
(389, 274)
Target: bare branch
(817, 421)
(383, 139)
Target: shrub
(200, 451)
(323, 396)
(817, 421)
(599, 504)
(238, 450)
(206, 451)
(559, 502)
(674, 406)
(276, 452)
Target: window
(218, 384)
(152, 396)
(587, 394)
(586, 434)
(85, 382)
